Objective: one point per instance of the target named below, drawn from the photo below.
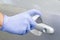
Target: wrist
(1, 19)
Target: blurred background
(50, 10)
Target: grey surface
(50, 14)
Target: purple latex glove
(21, 23)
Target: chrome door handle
(41, 28)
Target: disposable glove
(21, 23)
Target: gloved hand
(21, 23)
